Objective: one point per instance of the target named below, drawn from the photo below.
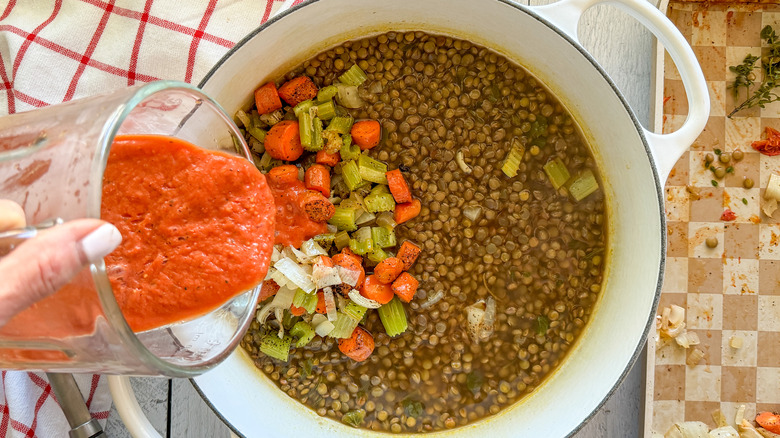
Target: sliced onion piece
(279, 278)
(360, 300)
(325, 276)
(462, 163)
(348, 96)
(385, 219)
(322, 326)
(312, 249)
(262, 314)
(349, 276)
(295, 274)
(472, 213)
(486, 329)
(276, 254)
(284, 298)
(433, 299)
(330, 304)
(279, 314)
(365, 218)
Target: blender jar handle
(13, 238)
(666, 149)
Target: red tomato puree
(293, 225)
(196, 228)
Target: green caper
(747, 183)
(725, 157)
(737, 155)
(709, 158)
(711, 242)
(719, 172)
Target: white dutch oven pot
(633, 161)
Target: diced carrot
(398, 186)
(297, 90)
(769, 421)
(405, 286)
(358, 346)
(347, 251)
(373, 289)
(352, 262)
(268, 289)
(366, 134)
(267, 99)
(321, 307)
(296, 311)
(317, 177)
(323, 157)
(283, 141)
(408, 253)
(407, 211)
(283, 174)
(317, 207)
(389, 269)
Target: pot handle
(665, 148)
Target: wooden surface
(625, 50)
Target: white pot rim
(659, 208)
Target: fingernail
(101, 242)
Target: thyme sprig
(770, 74)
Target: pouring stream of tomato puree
(196, 228)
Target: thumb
(41, 266)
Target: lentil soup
(451, 112)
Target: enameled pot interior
(252, 405)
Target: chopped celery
(583, 185)
(354, 76)
(326, 110)
(303, 331)
(379, 202)
(316, 136)
(351, 174)
(393, 317)
(513, 159)
(305, 300)
(557, 172)
(265, 162)
(325, 240)
(340, 124)
(305, 128)
(341, 240)
(354, 311)
(343, 219)
(354, 418)
(349, 151)
(251, 125)
(361, 248)
(372, 170)
(383, 237)
(343, 326)
(288, 320)
(303, 107)
(277, 348)
(378, 254)
(379, 189)
(327, 93)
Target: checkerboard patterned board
(733, 289)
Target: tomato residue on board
(293, 225)
(196, 228)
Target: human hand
(41, 266)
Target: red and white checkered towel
(58, 50)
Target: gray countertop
(625, 50)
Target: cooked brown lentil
(535, 250)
